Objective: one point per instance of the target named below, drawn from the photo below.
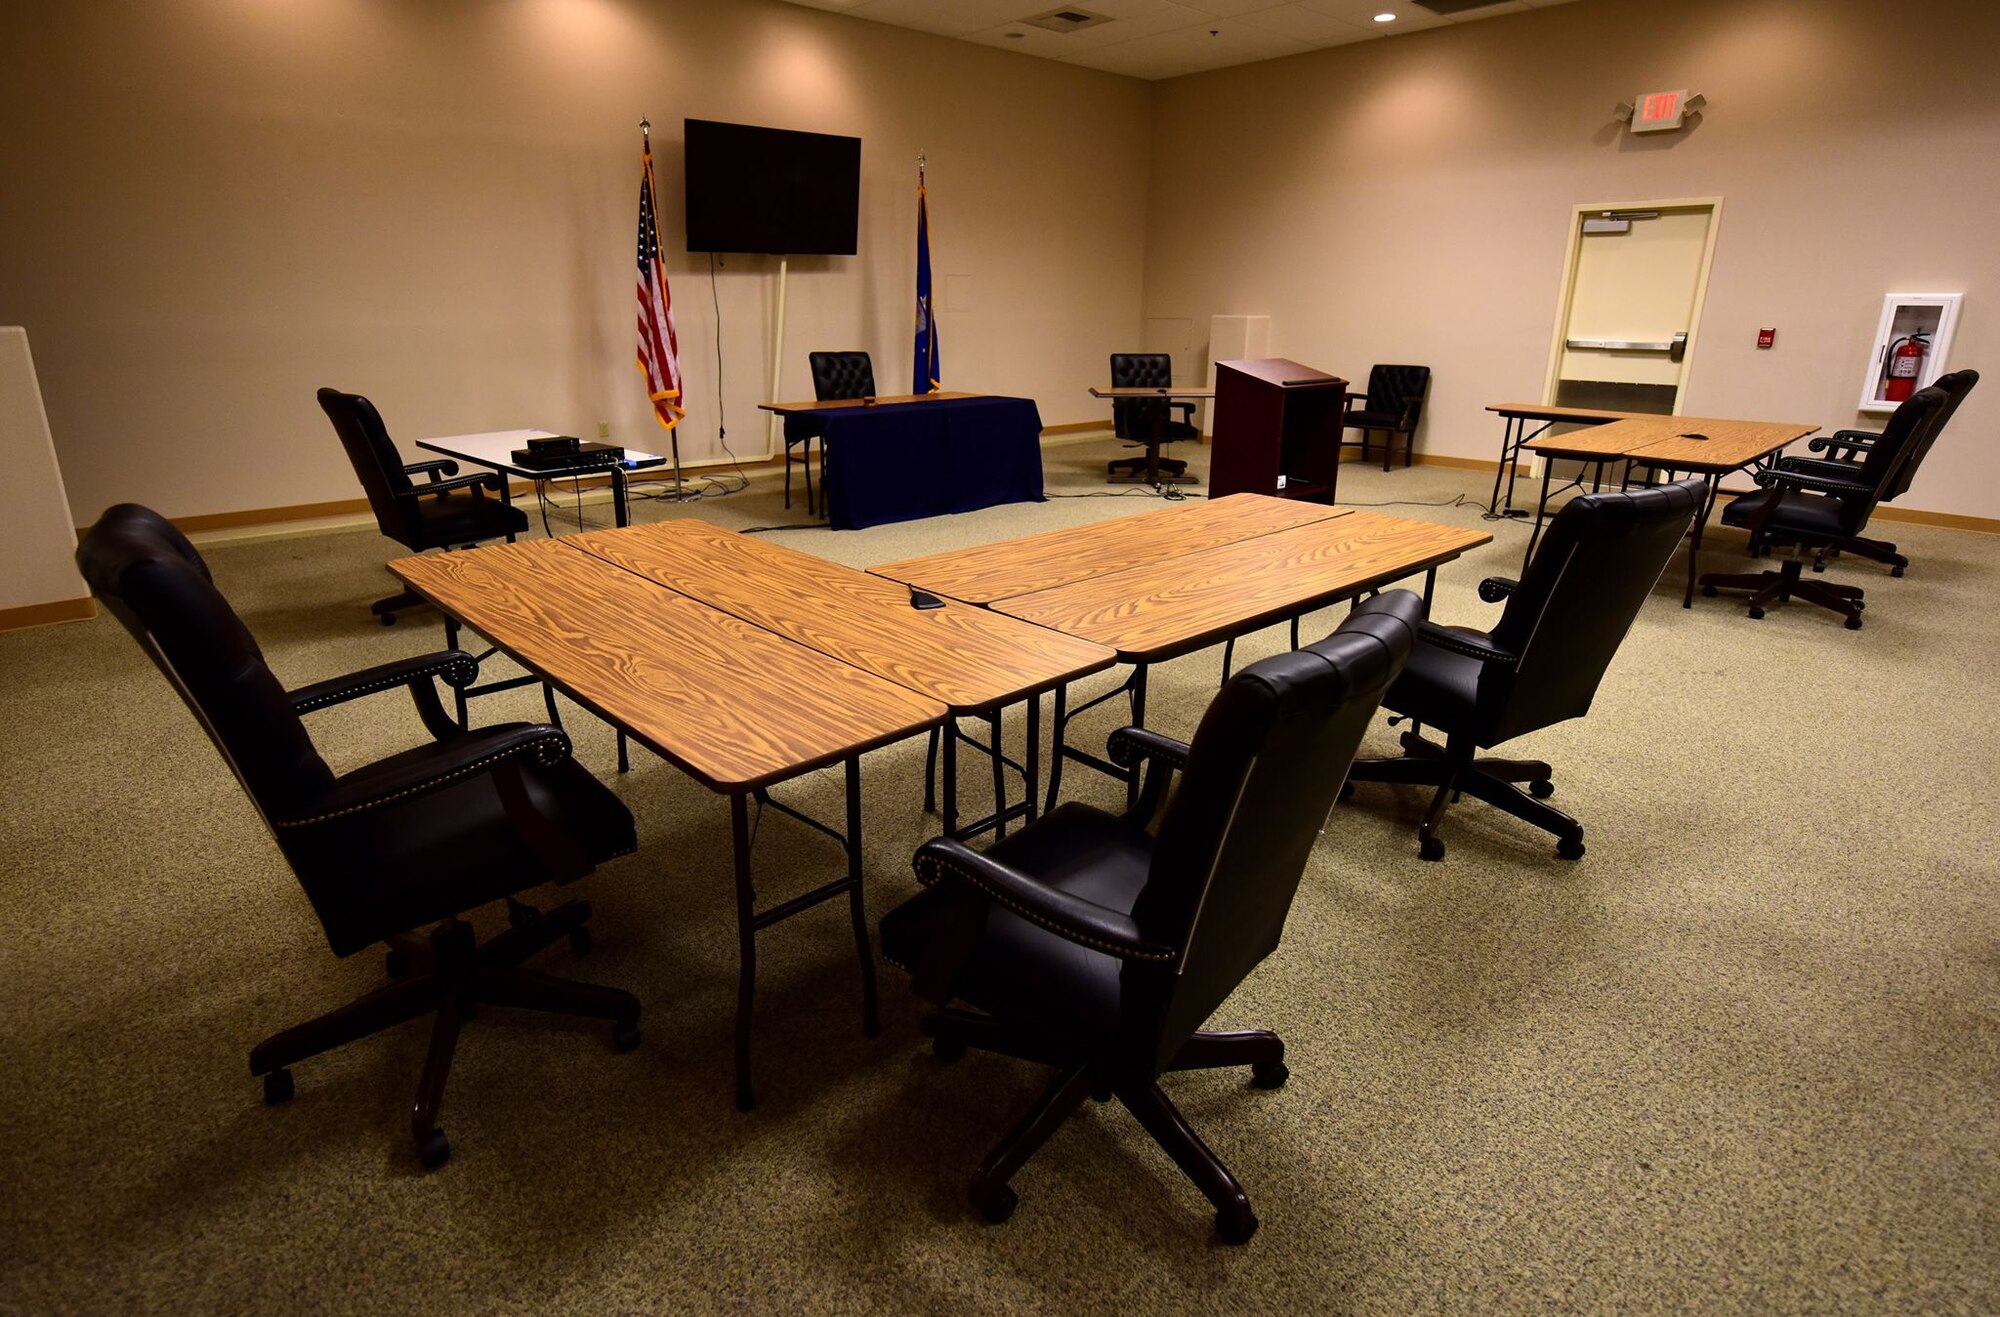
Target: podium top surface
(1285, 374)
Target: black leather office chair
(1538, 666)
(835, 375)
(407, 841)
(1822, 512)
(1136, 419)
(1845, 451)
(1097, 945)
(445, 513)
(1393, 405)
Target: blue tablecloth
(902, 461)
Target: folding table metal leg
(1713, 480)
(871, 1021)
(746, 947)
(1000, 779)
(1033, 758)
(1138, 720)
(1058, 748)
(1541, 511)
(1506, 461)
(948, 730)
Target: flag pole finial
(920, 167)
(646, 130)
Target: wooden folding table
(735, 706)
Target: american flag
(659, 350)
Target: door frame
(1568, 285)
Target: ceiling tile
(954, 19)
(1409, 18)
(1490, 11)
(1309, 25)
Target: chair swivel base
(449, 974)
(994, 1198)
(1451, 771)
(1784, 585)
(1136, 466)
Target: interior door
(1628, 322)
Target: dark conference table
(898, 459)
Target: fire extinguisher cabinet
(1912, 344)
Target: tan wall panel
(1408, 200)
(213, 207)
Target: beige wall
(212, 207)
(1408, 200)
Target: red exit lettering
(1659, 106)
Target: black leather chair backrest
(1399, 390)
(377, 463)
(1954, 385)
(1593, 569)
(1263, 771)
(151, 579)
(1132, 418)
(1904, 440)
(842, 375)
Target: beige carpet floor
(1744, 1056)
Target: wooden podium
(1276, 419)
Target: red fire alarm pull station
(1766, 337)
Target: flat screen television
(769, 190)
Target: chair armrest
(1801, 480)
(1351, 396)
(1071, 918)
(1495, 588)
(403, 776)
(1857, 441)
(1460, 643)
(1816, 466)
(1131, 746)
(438, 468)
(454, 667)
(484, 480)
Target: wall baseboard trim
(1948, 520)
(1075, 427)
(62, 610)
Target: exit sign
(1659, 111)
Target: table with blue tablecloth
(904, 458)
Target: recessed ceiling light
(1385, 18)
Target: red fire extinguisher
(1905, 361)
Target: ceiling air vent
(1450, 7)
(1066, 20)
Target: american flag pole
(658, 351)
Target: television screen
(769, 190)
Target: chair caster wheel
(1853, 624)
(278, 1087)
(1708, 591)
(995, 1204)
(1895, 571)
(434, 1150)
(580, 941)
(1430, 848)
(522, 916)
(1236, 1223)
(1757, 614)
(1569, 848)
(1269, 1074)
(625, 1035)
(388, 619)
(397, 963)
(947, 1050)
(1542, 790)
(1346, 791)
